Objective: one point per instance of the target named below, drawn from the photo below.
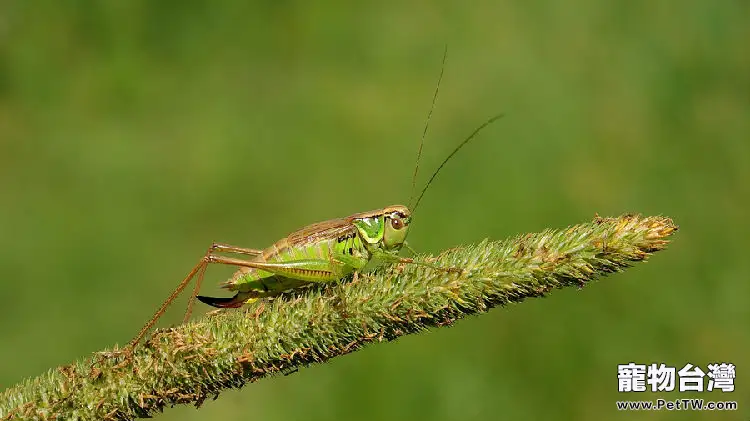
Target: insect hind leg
(215, 247)
(227, 248)
(200, 270)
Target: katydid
(318, 253)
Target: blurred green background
(132, 134)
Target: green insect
(318, 253)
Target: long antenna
(427, 124)
(471, 136)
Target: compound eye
(397, 223)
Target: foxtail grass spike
(196, 361)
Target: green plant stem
(198, 360)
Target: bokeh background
(132, 134)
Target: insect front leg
(392, 258)
(408, 247)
